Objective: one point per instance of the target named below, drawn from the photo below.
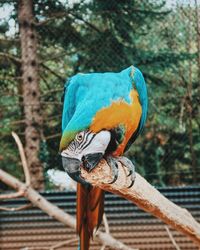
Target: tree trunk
(31, 92)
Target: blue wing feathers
(142, 91)
(88, 93)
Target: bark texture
(146, 197)
(31, 91)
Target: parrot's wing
(86, 94)
(68, 104)
(138, 80)
(142, 91)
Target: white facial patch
(96, 143)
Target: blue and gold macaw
(103, 114)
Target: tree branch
(67, 14)
(64, 243)
(11, 195)
(172, 238)
(49, 92)
(54, 212)
(146, 197)
(9, 40)
(11, 57)
(52, 136)
(107, 230)
(10, 78)
(23, 158)
(16, 208)
(51, 18)
(92, 26)
(53, 72)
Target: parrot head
(85, 150)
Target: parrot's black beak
(72, 167)
(90, 161)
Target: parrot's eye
(79, 137)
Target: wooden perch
(55, 212)
(146, 197)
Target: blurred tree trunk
(31, 91)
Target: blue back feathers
(86, 94)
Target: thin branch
(30, 104)
(18, 122)
(181, 126)
(20, 193)
(35, 248)
(52, 18)
(51, 91)
(12, 209)
(10, 93)
(23, 158)
(14, 123)
(27, 177)
(67, 53)
(52, 136)
(51, 103)
(11, 40)
(64, 243)
(58, 56)
(105, 221)
(53, 72)
(172, 238)
(92, 26)
(107, 230)
(11, 57)
(103, 247)
(45, 80)
(52, 117)
(10, 78)
(66, 14)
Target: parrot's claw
(113, 163)
(131, 168)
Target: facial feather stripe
(89, 141)
(85, 137)
(85, 141)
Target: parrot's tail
(90, 209)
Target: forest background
(63, 38)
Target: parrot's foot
(113, 163)
(131, 168)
